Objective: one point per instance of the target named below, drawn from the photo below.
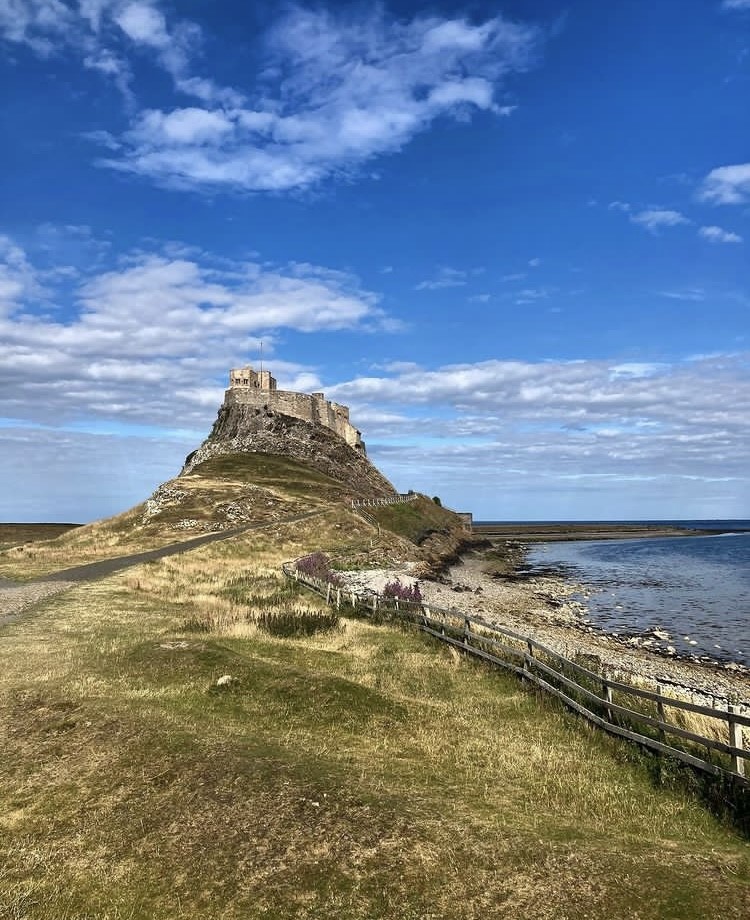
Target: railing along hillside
(603, 701)
(396, 500)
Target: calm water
(695, 588)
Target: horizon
(510, 237)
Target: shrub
(196, 625)
(318, 565)
(403, 592)
(436, 499)
(288, 623)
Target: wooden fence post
(467, 630)
(374, 603)
(328, 593)
(528, 654)
(338, 598)
(608, 698)
(736, 740)
(660, 713)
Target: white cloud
(156, 325)
(531, 425)
(716, 235)
(338, 90)
(18, 279)
(144, 24)
(654, 219)
(694, 294)
(336, 87)
(619, 206)
(535, 263)
(106, 33)
(446, 278)
(736, 4)
(727, 185)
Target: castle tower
(258, 389)
(247, 377)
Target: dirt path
(16, 597)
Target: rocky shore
(544, 608)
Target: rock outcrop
(250, 429)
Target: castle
(258, 389)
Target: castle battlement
(248, 387)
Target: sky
(512, 237)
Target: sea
(693, 591)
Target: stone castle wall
(260, 392)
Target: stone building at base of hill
(258, 390)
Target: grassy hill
(362, 772)
(226, 492)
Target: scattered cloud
(736, 4)
(727, 185)
(716, 235)
(694, 294)
(517, 276)
(535, 263)
(555, 418)
(480, 298)
(143, 340)
(336, 90)
(531, 295)
(619, 206)
(447, 278)
(655, 219)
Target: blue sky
(512, 237)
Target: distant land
(550, 531)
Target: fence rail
(396, 500)
(590, 694)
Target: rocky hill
(261, 467)
(248, 429)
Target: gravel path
(16, 597)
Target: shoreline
(543, 607)
(538, 532)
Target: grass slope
(366, 773)
(224, 492)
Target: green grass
(272, 471)
(415, 520)
(363, 773)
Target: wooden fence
(395, 500)
(598, 698)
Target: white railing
(396, 500)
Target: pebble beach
(543, 608)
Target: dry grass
(17, 534)
(366, 773)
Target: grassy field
(16, 534)
(360, 773)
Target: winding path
(16, 597)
